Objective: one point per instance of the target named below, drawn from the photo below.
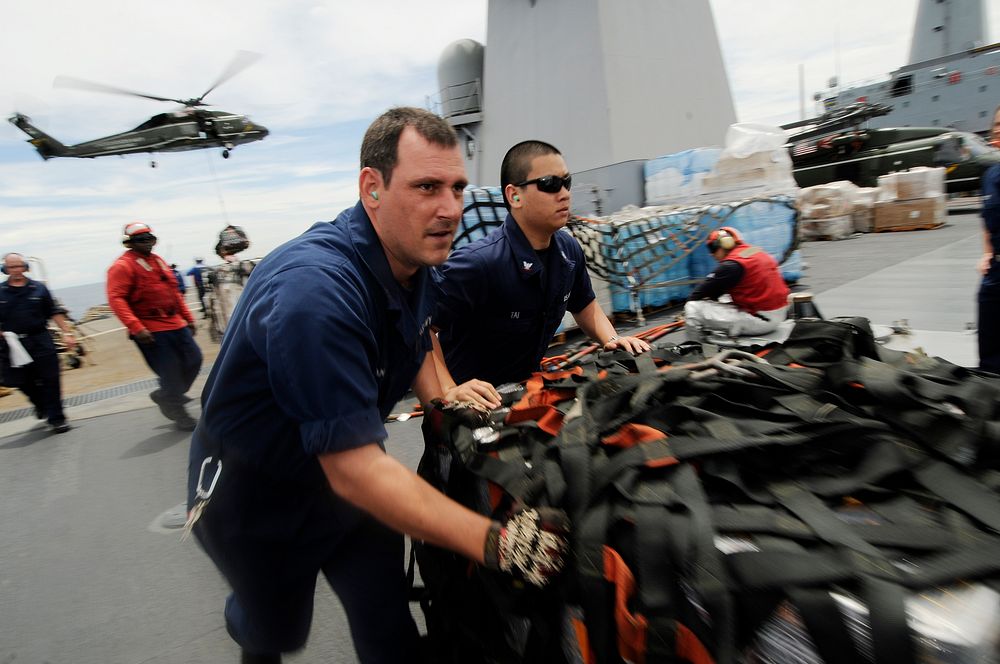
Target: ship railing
(457, 100)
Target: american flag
(803, 148)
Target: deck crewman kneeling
(751, 278)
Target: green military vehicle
(838, 148)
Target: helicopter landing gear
(225, 154)
(226, 147)
(152, 163)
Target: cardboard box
(919, 182)
(909, 215)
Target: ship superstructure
(952, 79)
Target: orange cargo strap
(537, 403)
(631, 434)
(690, 648)
(631, 627)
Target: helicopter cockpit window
(156, 121)
(949, 151)
(975, 145)
(902, 86)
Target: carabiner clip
(202, 493)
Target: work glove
(529, 545)
(443, 416)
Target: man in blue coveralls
(198, 274)
(988, 298)
(25, 307)
(331, 331)
(502, 297)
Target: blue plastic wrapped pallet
(648, 252)
(677, 177)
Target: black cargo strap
(962, 492)
(770, 522)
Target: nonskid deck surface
(90, 572)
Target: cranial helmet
(135, 228)
(724, 238)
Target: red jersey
(143, 293)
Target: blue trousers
(39, 380)
(272, 538)
(176, 360)
(989, 320)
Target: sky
(328, 67)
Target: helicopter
(189, 128)
(836, 147)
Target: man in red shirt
(751, 278)
(143, 293)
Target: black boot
(249, 658)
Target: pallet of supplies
(916, 183)
(864, 209)
(826, 211)
(909, 215)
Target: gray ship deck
(88, 573)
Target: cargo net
(651, 247)
(483, 210)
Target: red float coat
(761, 288)
(143, 293)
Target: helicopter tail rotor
(47, 146)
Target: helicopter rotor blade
(80, 84)
(241, 61)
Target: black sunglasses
(550, 184)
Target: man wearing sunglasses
(502, 298)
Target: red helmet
(134, 230)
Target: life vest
(761, 288)
(148, 294)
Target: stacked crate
(910, 200)
(826, 211)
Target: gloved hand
(443, 416)
(529, 545)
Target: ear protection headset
(3, 265)
(723, 238)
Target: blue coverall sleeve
(315, 333)
(49, 305)
(460, 285)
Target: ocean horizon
(77, 299)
